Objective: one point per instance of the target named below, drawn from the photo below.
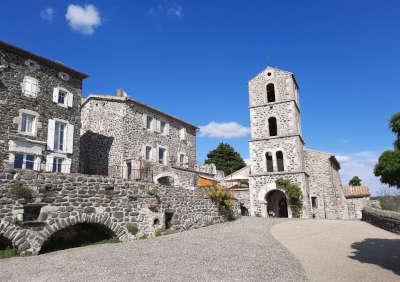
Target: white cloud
(83, 19)
(362, 164)
(167, 8)
(247, 161)
(224, 130)
(47, 14)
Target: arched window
(270, 166)
(273, 130)
(270, 93)
(279, 161)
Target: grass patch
(113, 240)
(144, 237)
(8, 253)
(19, 191)
(158, 233)
(133, 229)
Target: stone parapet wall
(69, 199)
(387, 220)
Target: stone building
(357, 198)
(40, 112)
(277, 151)
(125, 138)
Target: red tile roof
(356, 191)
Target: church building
(277, 151)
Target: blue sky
(193, 59)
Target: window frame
(278, 167)
(25, 161)
(57, 139)
(145, 153)
(164, 159)
(21, 130)
(269, 163)
(57, 164)
(149, 122)
(271, 92)
(33, 91)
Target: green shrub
(294, 194)
(108, 241)
(158, 233)
(391, 203)
(258, 214)
(144, 237)
(133, 229)
(221, 196)
(19, 191)
(154, 192)
(16, 221)
(8, 253)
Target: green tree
(355, 181)
(225, 158)
(394, 125)
(388, 166)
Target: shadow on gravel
(382, 252)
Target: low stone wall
(67, 199)
(387, 220)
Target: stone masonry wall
(355, 206)
(67, 199)
(387, 220)
(12, 100)
(324, 182)
(113, 132)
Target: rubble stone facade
(68, 199)
(277, 151)
(36, 97)
(121, 136)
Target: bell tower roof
(268, 69)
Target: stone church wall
(68, 199)
(324, 182)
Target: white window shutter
(186, 161)
(144, 118)
(55, 95)
(166, 157)
(49, 163)
(70, 100)
(66, 166)
(158, 125)
(166, 128)
(154, 154)
(70, 138)
(50, 134)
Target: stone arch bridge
(59, 201)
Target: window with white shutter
(50, 134)
(182, 133)
(30, 86)
(70, 138)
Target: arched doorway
(78, 235)
(276, 204)
(166, 180)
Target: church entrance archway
(276, 204)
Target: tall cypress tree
(225, 158)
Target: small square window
(314, 202)
(148, 153)
(149, 121)
(18, 160)
(161, 155)
(30, 86)
(27, 123)
(182, 159)
(162, 127)
(62, 95)
(57, 164)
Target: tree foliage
(394, 125)
(355, 181)
(225, 158)
(388, 166)
(293, 192)
(221, 196)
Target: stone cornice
(278, 137)
(276, 103)
(279, 173)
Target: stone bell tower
(276, 146)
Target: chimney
(121, 93)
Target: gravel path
(332, 250)
(243, 250)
